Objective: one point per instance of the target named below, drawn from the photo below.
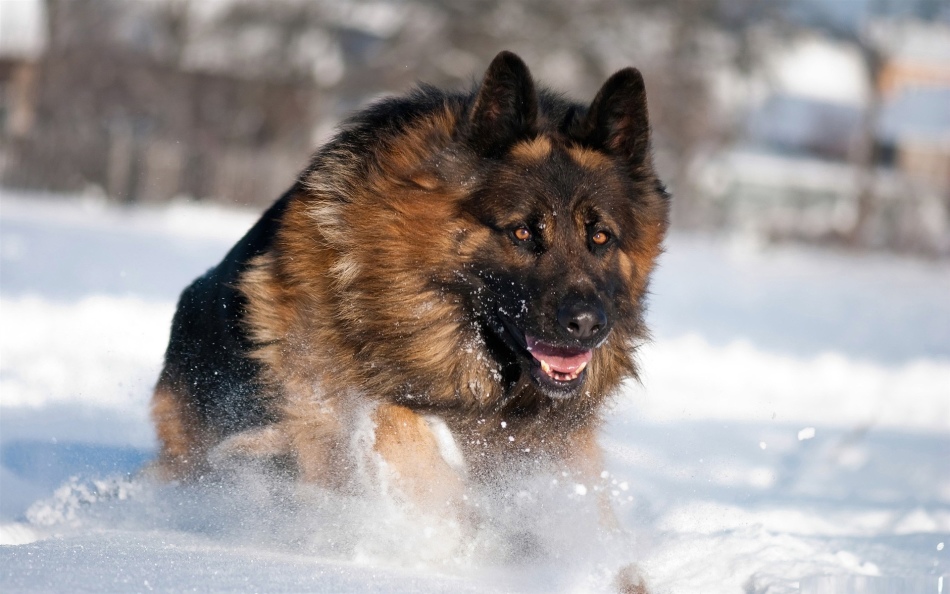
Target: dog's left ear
(617, 119)
(506, 108)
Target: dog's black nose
(582, 319)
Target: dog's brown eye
(600, 238)
(522, 234)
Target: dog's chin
(553, 388)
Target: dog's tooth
(580, 369)
(545, 367)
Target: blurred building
(801, 165)
(114, 100)
(22, 43)
(915, 84)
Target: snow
(22, 28)
(816, 67)
(791, 433)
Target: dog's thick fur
(423, 266)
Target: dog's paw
(260, 443)
(629, 580)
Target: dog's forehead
(561, 177)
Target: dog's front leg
(415, 463)
(586, 461)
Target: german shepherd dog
(475, 262)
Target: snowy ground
(792, 433)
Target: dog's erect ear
(506, 108)
(617, 119)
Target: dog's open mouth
(561, 364)
(559, 370)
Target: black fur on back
(207, 351)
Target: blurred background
(792, 419)
(822, 121)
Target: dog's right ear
(617, 119)
(506, 107)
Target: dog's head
(571, 215)
(506, 230)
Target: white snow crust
(790, 432)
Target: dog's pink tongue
(559, 359)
